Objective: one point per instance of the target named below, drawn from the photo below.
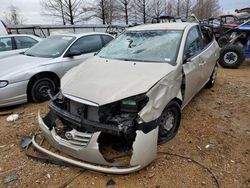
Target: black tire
(231, 56)
(211, 81)
(169, 122)
(39, 89)
(223, 41)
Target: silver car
(15, 44)
(30, 75)
(115, 108)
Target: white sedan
(15, 44)
(29, 76)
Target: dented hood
(104, 81)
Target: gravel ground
(215, 131)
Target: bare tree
(143, 8)
(70, 11)
(174, 7)
(206, 8)
(125, 6)
(158, 8)
(214, 8)
(106, 10)
(113, 11)
(99, 9)
(186, 7)
(188, 3)
(178, 7)
(12, 16)
(168, 8)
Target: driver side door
(192, 65)
(87, 46)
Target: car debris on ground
(12, 118)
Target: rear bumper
(13, 94)
(144, 151)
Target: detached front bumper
(144, 150)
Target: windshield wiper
(133, 60)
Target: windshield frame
(49, 56)
(173, 62)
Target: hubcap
(167, 123)
(43, 90)
(230, 57)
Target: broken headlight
(133, 104)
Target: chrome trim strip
(83, 101)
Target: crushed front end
(111, 138)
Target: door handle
(202, 63)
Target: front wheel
(231, 56)
(169, 122)
(40, 87)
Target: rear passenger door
(87, 45)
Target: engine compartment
(116, 122)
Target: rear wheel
(39, 89)
(169, 122)
(231, 56)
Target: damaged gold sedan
(115, 108)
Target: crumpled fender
(161, 94)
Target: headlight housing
(3, 83)
(133, 104)
(128, 107)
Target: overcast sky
(31, 9)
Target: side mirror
(186, 58)
(73, 53)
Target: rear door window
(24, 42)
(5, 44)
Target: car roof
(80, 34)
(162, 26)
